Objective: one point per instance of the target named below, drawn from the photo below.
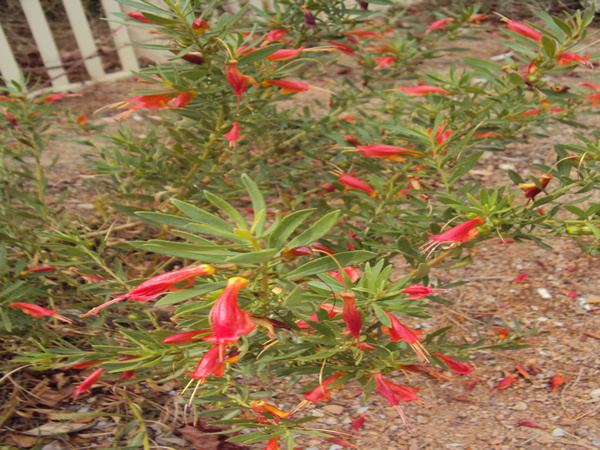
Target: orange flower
(289, 86)
(235, 78)
(88, 383)
(532, 189)
(386, 151)
(158, 285)
(439, 24)
(455, 366)
(395, 393)
(568, 58)
(322, 392)
(351, 315)
(524, 30)
(233, 135)
(401, 333)
(212, 363)
(422, 89)
(200, 25)
(38, 311)
(284, 54)
(353, 183)
(351, 272)
(184, 338)
(228, 321)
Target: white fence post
(120, 36)
(45, 42)
(85, 39)
(8, 65)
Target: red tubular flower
(342, 47)
(309, 18)
(212, 363)
(84, 365)
(38, 311)
(351, 272)
(442, 135)
(455, 366)
(568, 58)
(272, 444)
(260, 406)
(351, 139)
(40, 269)
(395, 393)
(235, 78)
(358, 422)
(363, 34)
(285, 54)
(156, 286)
(351, 315)
(521, 277)
(556, 381)
(200, 25)
(386, 151)
(233, 135)
(322, 248)
(10, 117)
(353, 183)
(487, 134)
(422, 89)
(289, 86)
(184, 338)
(401, 333)
(228, 321)
(532, 189)
(477, 18)
(275, 35)
(51, 98)
(505, 383)
(299, 251)
(460, 233)
(182, 99)
(139, 16)
(384, 62)
(524, 30)
(322, 391)
(88, 383)
(332, 311)
(417, 291)
(439, 24)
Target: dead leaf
(200, 438)
(52, 428)
(22, 441)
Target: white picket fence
(50, 53)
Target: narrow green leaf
(316, 231)
(328, 262)
(253, 257)
(227, 208)
(201, 216)
(287, 226)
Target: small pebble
(595, 393)
(544, 293)
(520, 406)
(559, 432)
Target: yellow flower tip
(210, 270)
(240, 282)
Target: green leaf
(184, 294)
(464, 166)
(549, 46)
(258, 203)
(227, 208)
(381, 315)
(163, 219)
(329, 262)
(253, 257)
(201, 216)
(319, 229)
(287, 226)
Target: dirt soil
(560, 297)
